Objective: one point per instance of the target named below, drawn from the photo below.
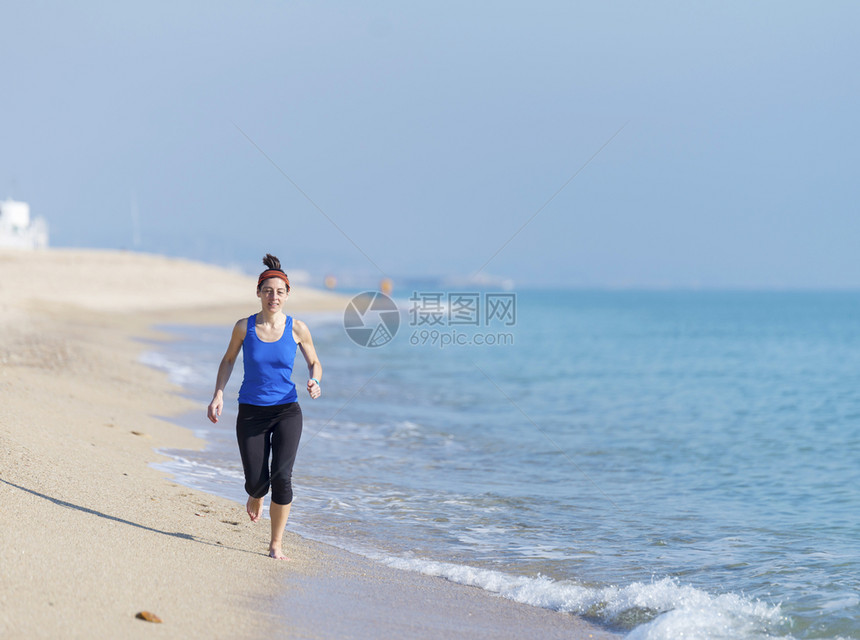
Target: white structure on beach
(17, 230)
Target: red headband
(273, 273)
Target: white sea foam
(177, 372)
(666, 609)
(195, 471)
(659, 610)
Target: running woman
(270, 419)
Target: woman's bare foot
(279, 513)
(277, 554)
(254, 507)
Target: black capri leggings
(264, 430)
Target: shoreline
(94, 534)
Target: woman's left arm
(306, 344)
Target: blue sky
(423, 136)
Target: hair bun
(272, 262)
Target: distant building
(17, 230)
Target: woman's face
(273, 294)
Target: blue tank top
(268, 367)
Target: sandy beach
(92, 534)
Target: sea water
(669, 464)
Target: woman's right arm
(226, 368)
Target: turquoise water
(669, 464)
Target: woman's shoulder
(300, 328)
(241, 325)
